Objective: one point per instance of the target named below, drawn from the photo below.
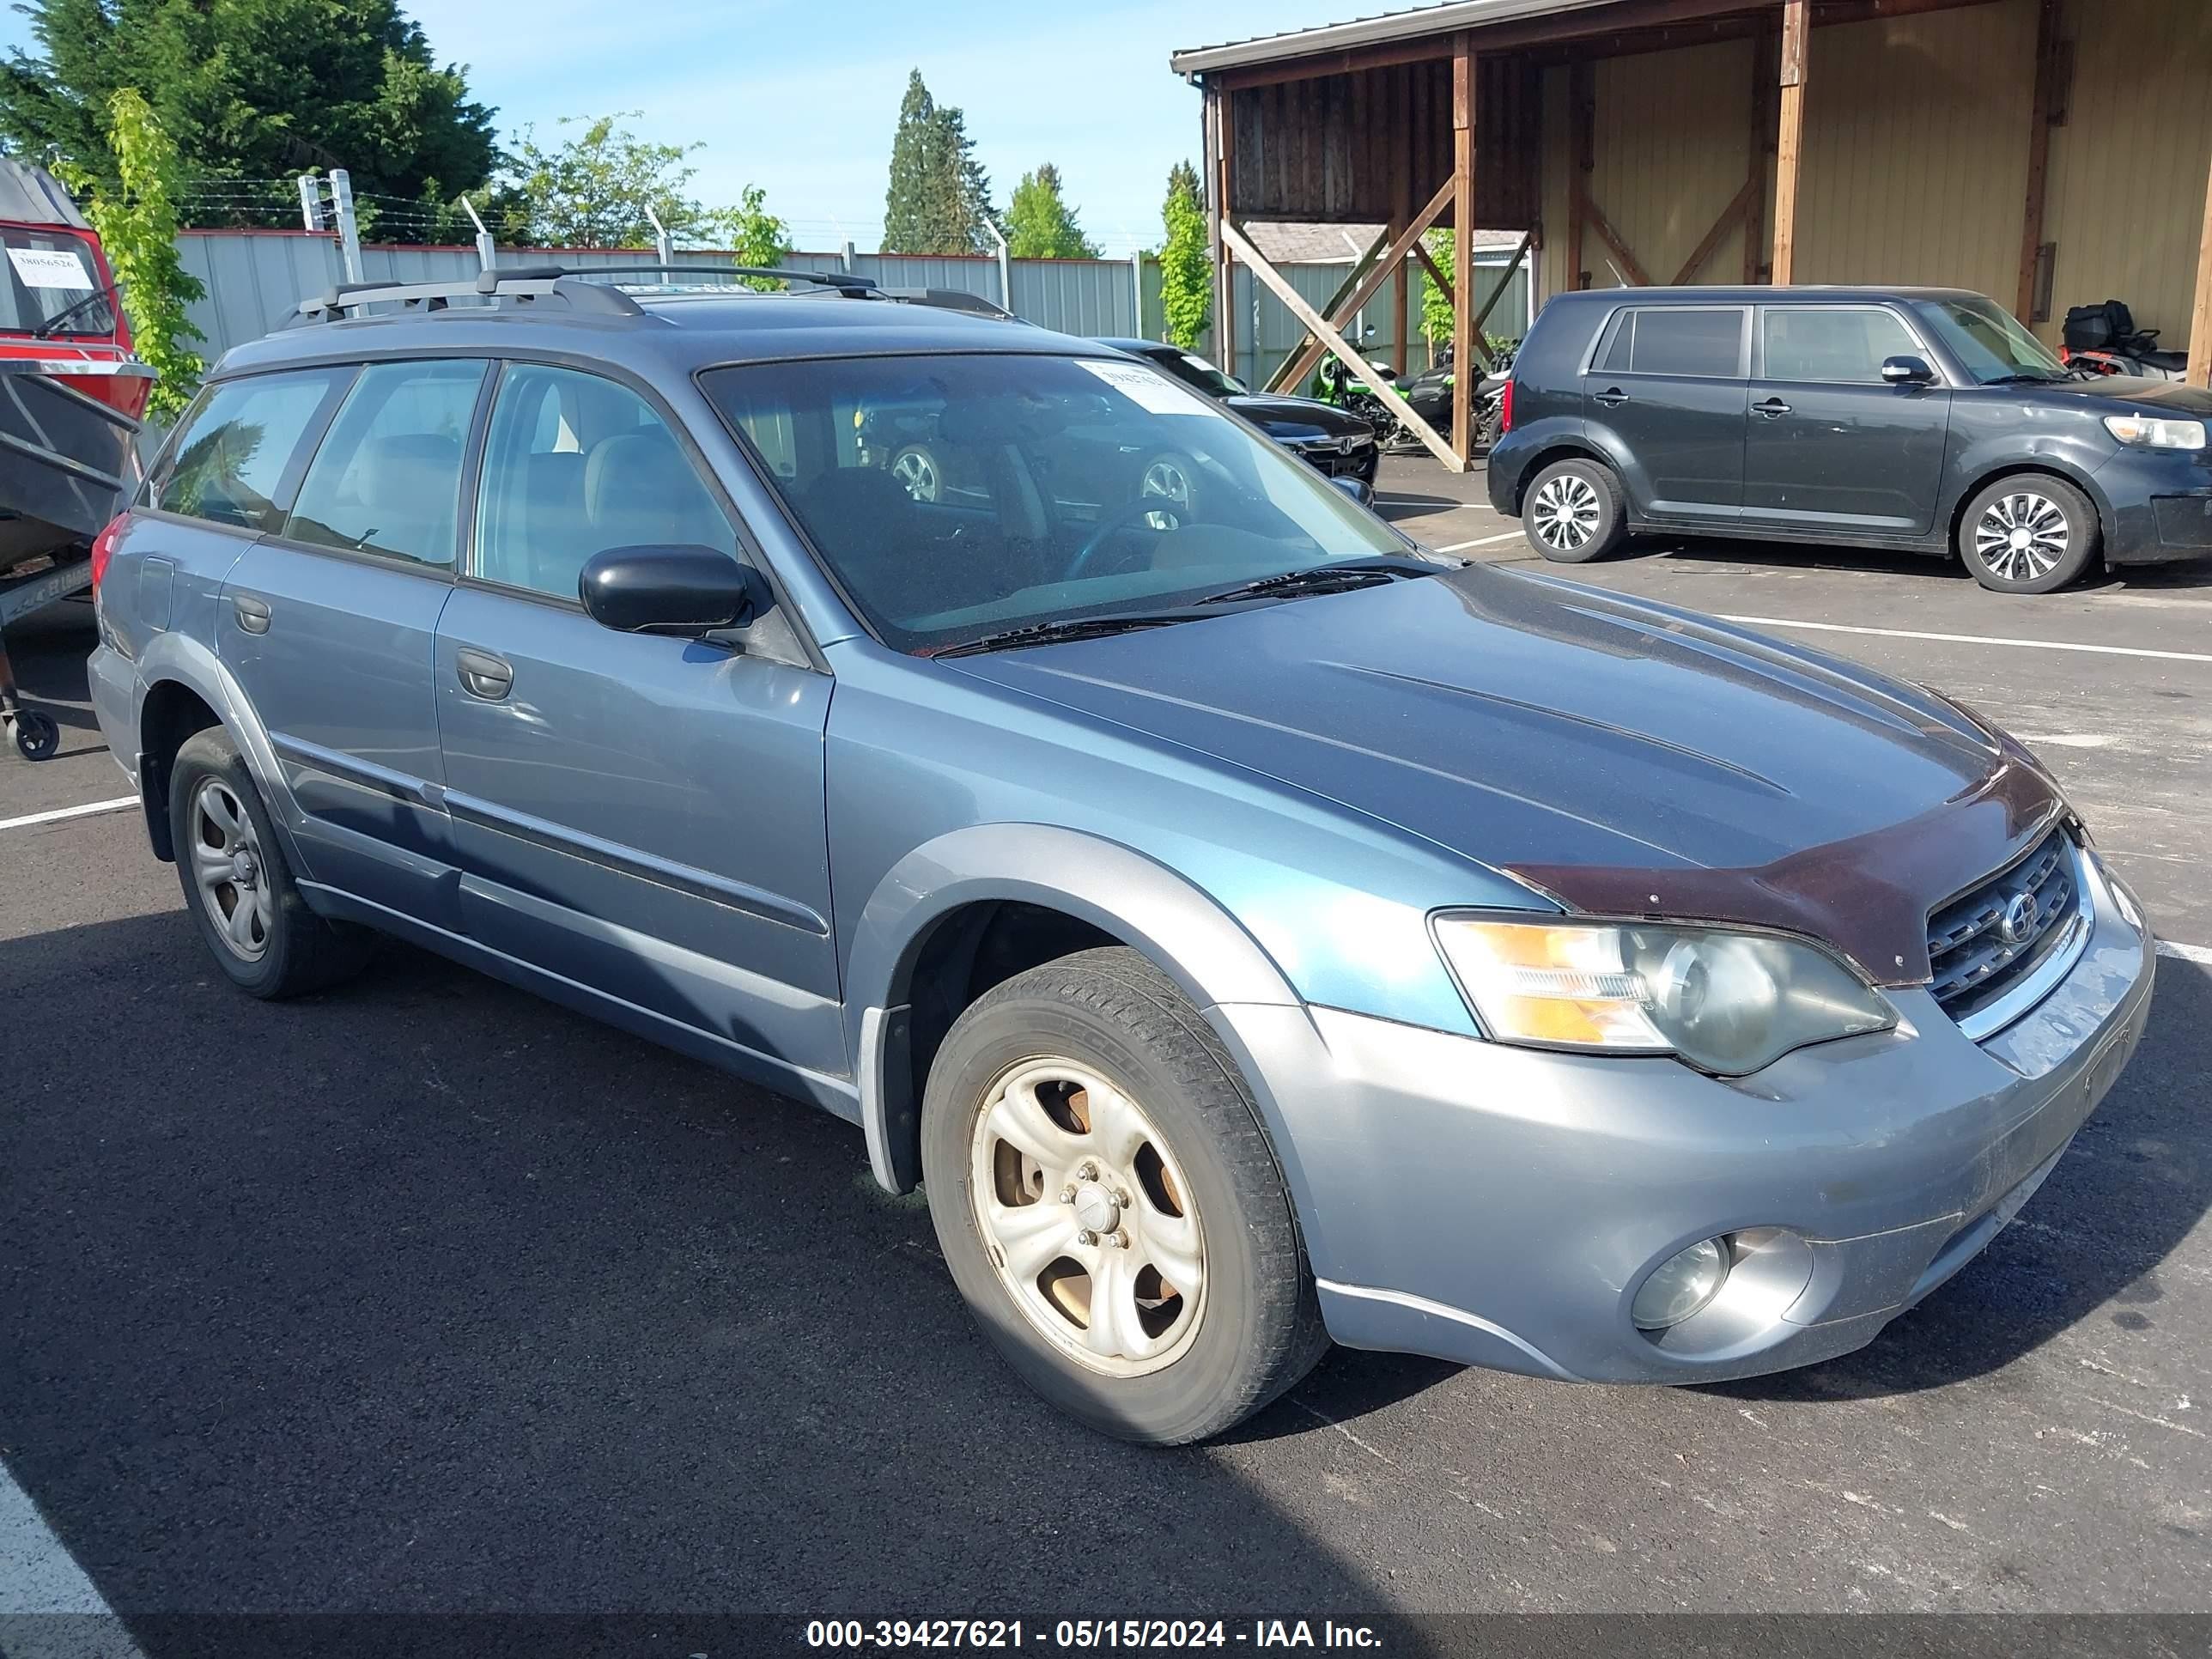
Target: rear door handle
(484, 675)
(253, 614)
(1611, 397)
(1773, 408)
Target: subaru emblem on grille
(2017, 925)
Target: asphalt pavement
(426, 1297)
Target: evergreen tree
(1039, 224)
(249, 90)
(1186, 267)
(940, 195)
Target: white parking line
(1481, 541)
(60, 812)
(2196, 953)
(1970, 639)
(48, 1607)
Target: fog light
(1680, 1285)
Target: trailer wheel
(36, 736)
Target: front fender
(1148, 907)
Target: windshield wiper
(1343, 575)
(2041, 377)
(44, 330)
(1065, 628)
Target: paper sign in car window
(50, 268)
(1148, 389)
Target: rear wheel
(1108, 1206)
(237, 885)
(1574, 511)
(2029, 533)
(915, 467)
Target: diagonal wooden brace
(1300, 363)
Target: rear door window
(228, 463)
(1839, 344)
(387, 479)
(1704, 341)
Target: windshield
(47, 271)
(1987, 341)
(954, 497)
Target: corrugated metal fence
(255, 278)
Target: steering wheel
(1129, 513)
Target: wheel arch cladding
(964, 911)
(171, 712)
(175, 658)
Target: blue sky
(800, 95)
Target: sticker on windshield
(1151, 391)
(50, 268)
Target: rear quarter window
(1704, 342)
(237, 444)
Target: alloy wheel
(230, 871)
(1087, 1218)
(917, 469)
(1565, 513)
(2021, 536)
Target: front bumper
(1500, 1206)
(2160, 505)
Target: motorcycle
(1429, 395)
(1335, 383)
(2103, 339)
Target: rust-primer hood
(1868, 896)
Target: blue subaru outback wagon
(1251, 930)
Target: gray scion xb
(1251, 930)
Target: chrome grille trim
(1986, 981)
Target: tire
(1097, 1059)
(279, 948)
(916, 467)
(1574, 511)
(2028, 533)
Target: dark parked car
(1338, 442)
(1926, 419)
(1250, 930)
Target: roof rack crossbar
(529, 283)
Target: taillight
(103, 547)
(1505, 409)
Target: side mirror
(1907, 371)
(1359, 489)
(684, 590)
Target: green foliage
(939, 197)
(756, 236)
(1186, 267)
(1039, 224)
(249, 91)
(1435, 309)
(594, 190)
(136, 219)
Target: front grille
(1977, 957)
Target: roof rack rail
(841, 280)
(526, 283)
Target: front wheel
(2030, 533)
(1108, 1206)
(1574, 511)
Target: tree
(249, 91)
(1039, 224)
(940, 197)
(137, 220)
(1186, 268)
(1435, 309)
(595, 190)
(756, 236)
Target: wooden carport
(1977, 143)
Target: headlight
(2150, 433)
(1727, 1003)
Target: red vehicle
(71, 394)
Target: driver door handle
(1774, 409)
(482, 675)
(1612, 397)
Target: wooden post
(1582, 115)
(2039, 154)
(1302, 308)
(1219, 199)
(1790, 138)
(1762, 143)
(1401, 213)
(1463, 344)
(2200, 314)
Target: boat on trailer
(72, 396)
